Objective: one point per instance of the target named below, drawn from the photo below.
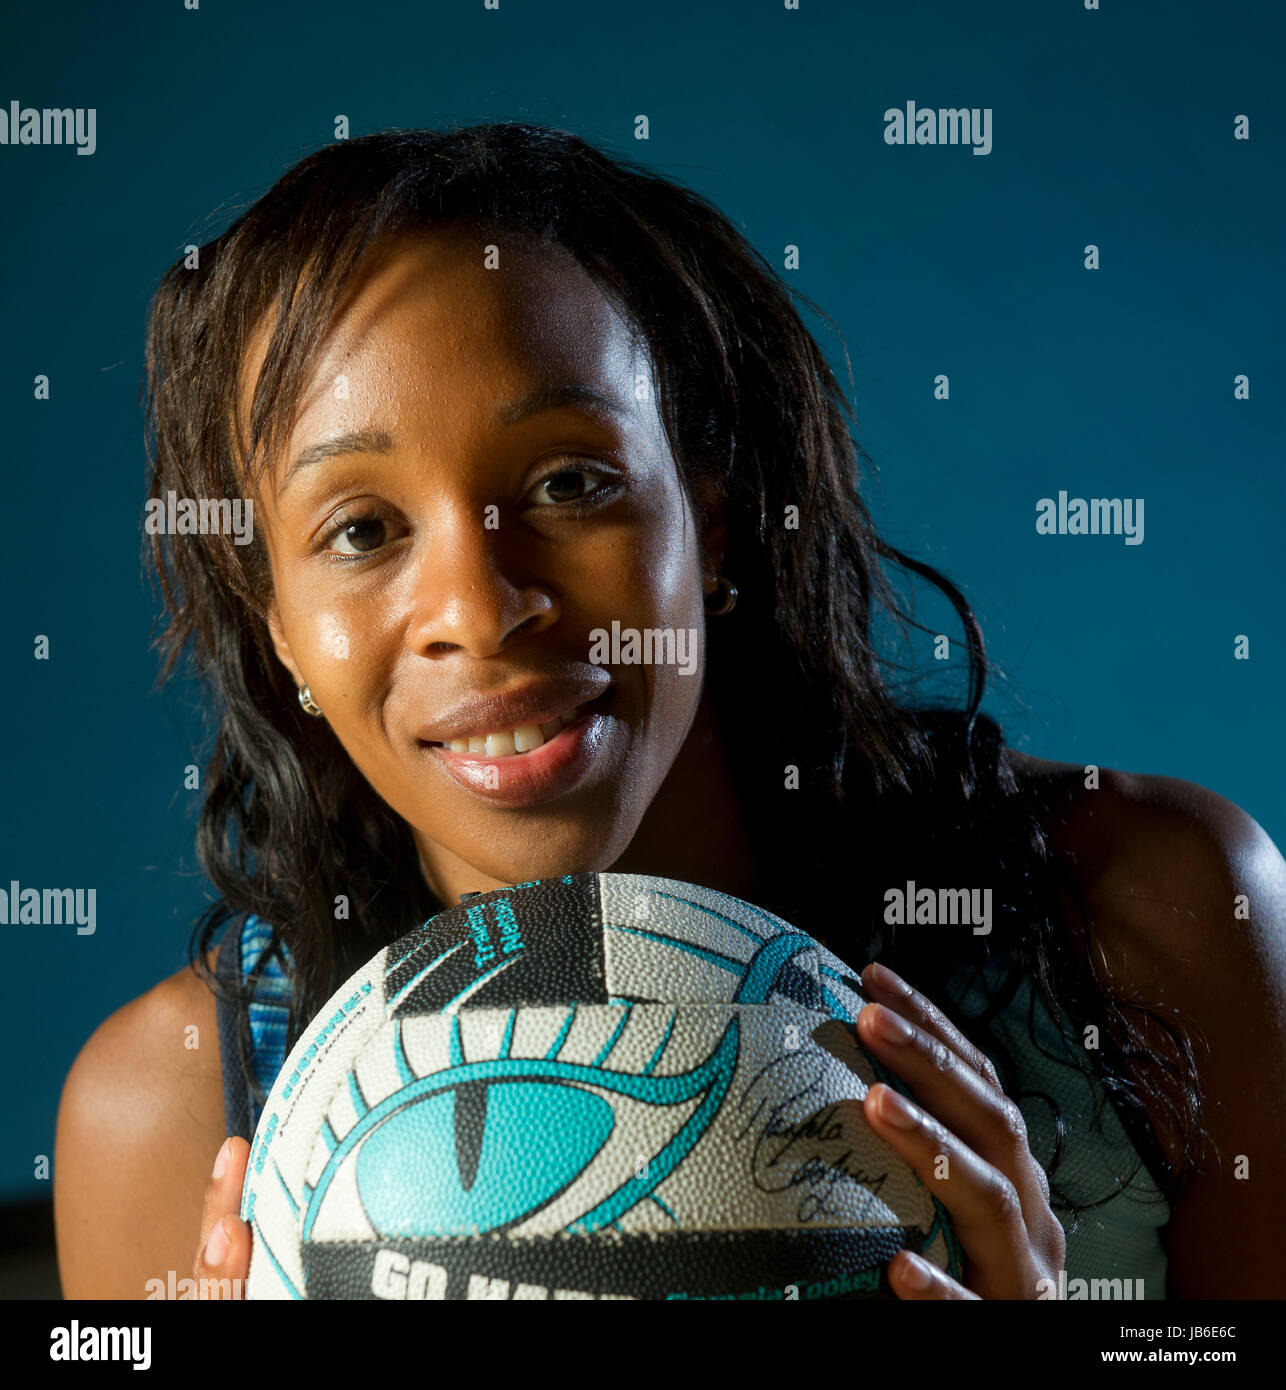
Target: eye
(574, 483)
(357, 535)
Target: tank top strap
(243, 946)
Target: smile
(512, 743)
(532, 763)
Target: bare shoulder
(1160, 854)
(139, 1124)
(1185, 904)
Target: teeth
(508, 742)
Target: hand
(223, 1255)
(996, 1193)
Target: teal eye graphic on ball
(481, 1146)
(497, 1152)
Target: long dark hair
(882, 790)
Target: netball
(597, 1086)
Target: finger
(224, 1261)
(955, 1094)
(883, 986)
(223, 1191)
(223, 1250)
(995, 1129)
(1042, 1177)
(984, 1205)
(913, 1279)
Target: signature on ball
(795, 1148)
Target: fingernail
(220, 1162)
(916, 1274)
(887, 981)
(897, 1110)
(893, 1028)
(216, 1248)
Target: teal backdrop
(1112, 127)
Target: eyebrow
(573, 393)
(511, 413)
(356, 442)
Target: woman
(492, 393)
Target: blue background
(1114, 128)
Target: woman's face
(478, 480)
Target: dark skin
(436, 605)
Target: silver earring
(727, 603)
(307, 704)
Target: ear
(708, 503)
(280, 645)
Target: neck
(693, 830)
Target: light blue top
(1121, 1239)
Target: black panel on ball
(825, 1263)
(533, 944)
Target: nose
(472, 594)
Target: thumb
(223, 1253)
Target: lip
(536, 703)
(528, 779)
